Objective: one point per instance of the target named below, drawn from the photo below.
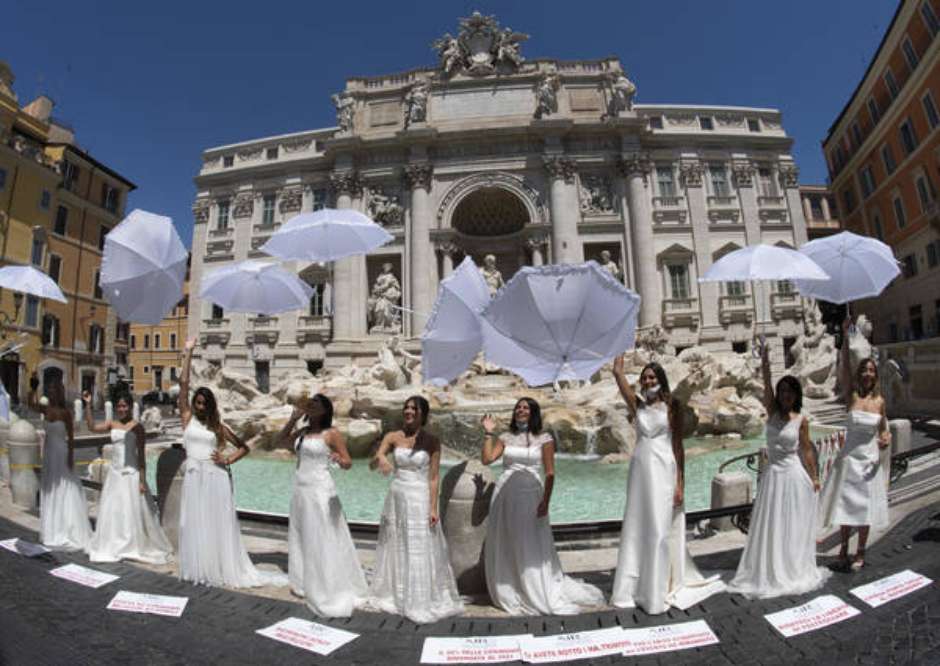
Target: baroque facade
(530, 161)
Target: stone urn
(4, 454)
(466, 491)
(170, 470)
(23, 445)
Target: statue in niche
(491, 274)
(345, 111)
(546, 94)
(416, 102)
(382, 304)
(595, 195)
(385, 209)
(607, 262)
(622, 91)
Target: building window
(98, 292)
(146, 341)
(867, 178)
(915, 314)
(925, 191)
(109, 197)
(95, 339)
(44, 200)
(130, 373)
(768, 188)
(223, 215)
(933, 253)
(133, 342)
(318, 304)
(705, 122)
(61, 220)
(909, 53)
(877, 226)
(272, 153)
(69, 175)
(172, 340)
(857, 134)
(891, 84)
(146, 369)
(319, 199)
(908, 136)
(887, 156)
(678, 281)
(228, 160)
(873, 111)
(217, 311)
(734, 289)
(930, 110)
(267, 212)
(899, 215)
(50, 331)
(665, 181)
(3, 178)
(930, 18)
(55, 267)
(121, 331)
(32, 311)
(753, 125)
(815, 206)
(156, 341)
(784, 287)
(38, 247)
(656, 122)
(909, 264)
(173, 375)
(102, 234)
(719, 180)
(848, 198)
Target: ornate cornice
(418, 176)
(560, 167)
(742, 175)
(292, 198)
(635, 164)
(346, 182)
(243, 205)
(691, 173)
(789, 175)
(536, 241)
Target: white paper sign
(669, 637)
(890, 588)
(582, 645)
(83, 575)
(816, 614)
(310, 636)
(27, 548)
(155, 604)
(472, 649)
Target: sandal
(859, 562)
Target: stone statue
(491, 274)
(507, 47)
(595, 195)
(622, 91)
(345, 111)
(385, 209)
(384, 316)
(416, 102)
(479, 47)
(607, 262)
(546, 94)
(814, 357)
(449, 53)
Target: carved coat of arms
(480, 47)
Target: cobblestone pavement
(45, 620)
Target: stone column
(743, 178)
(824, 202)
(566, 246)
(348, 300)
(418, 178)
(635, 169)
(447, 250)
(691, 174)
(807, 209)
(789, 182)
(628, 259)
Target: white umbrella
(30, 281)
(857, 266)
(763, 262)
(255, 287)
(452, 336)
(143, 267)
(559, 322)
(326, 235)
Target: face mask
(652, 393)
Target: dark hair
(125, 396)
(535, 417)
(665, 394)
(792, 383)
(421, 404)
(859, 369)
(423, 440)
(326, 413)
(55, 392)
(213, 420)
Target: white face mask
(652, 393)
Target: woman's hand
(190, 344)
(679, 497)
(86, 398)
(219, 459)
(384, 466)
(335, 457)
(143, 488)
(816, 485)
(489, 424)
(884, 439)
(618, 365)
(433, 519)
(542, 510)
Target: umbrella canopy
(452, 336)
(551, 323)
(255, 287)
(857, 266)
(763, 262)
(143, 267)
(326, 235)
(32, 281)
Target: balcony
(680, 312)
(269, 228)
(669, 210)
(215, 323)
(785, 305)
(772, 209)
(223, 232)
(735, 309)
(723, 208)
(263, 323)
(313, 328)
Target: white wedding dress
(211, 550)
(412, 570)
(63, 512)
(127, 527)
(779, 557)
(523, 572)
(855, 492)
(321, 558)
(654, 568)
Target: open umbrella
(326, 235)
(143, 267)
(32, 281)
(452, 336)
(763, 262)
(255, 287)
(858, 267)
(559, 322)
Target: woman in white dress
(322, 564)
(127, 527)
(412, 569)
(855, 494)
(210, 542)
(523, 572)
(779, 557)
(63, 512)
(654, 569)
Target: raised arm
(808, 454)
(629, 395)
(548, 467)
(434, 478)
(678, 450)
(379, 460)
(94, 426)
(340, 454)
(845, 372)
(492, 447)
(769, 398)
(183, 398)
(287, 432)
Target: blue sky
(148, 86)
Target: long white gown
(523, 572)
(321, 558)
(412, 569)
(63, 512)
(654, 568)
(211, 551)
(855, 492)
(779, 557)
(128, 527)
